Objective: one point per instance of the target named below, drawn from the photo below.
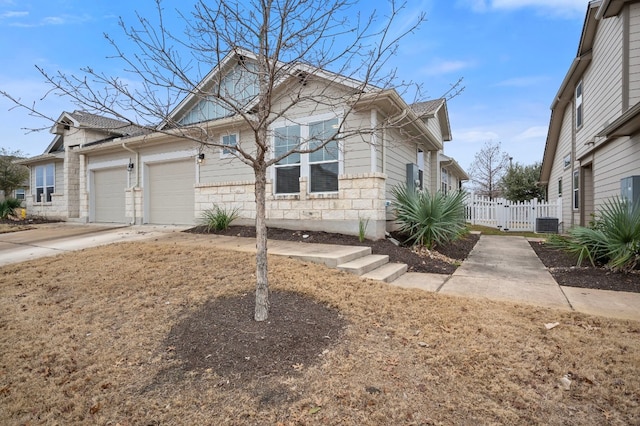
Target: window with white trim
(567, 161)
(287, 169)
(19, 194)
(321, 167)
(420, 162)
(230, 140)
(579, 107)
(576, 190)
(45, 182)
(445, 182)
(323, 163)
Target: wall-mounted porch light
(200, 157)
(130, 167)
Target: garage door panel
(171, 192)
(109, 195)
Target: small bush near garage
(219, 218)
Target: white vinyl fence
(508, 215)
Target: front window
(576, 190)
(19, 194)
(287, 169)
(323, 163)
(579, 108)
(45, 182)
(230, 141)
(444, 187)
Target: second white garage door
(109, 195)
(171, 192)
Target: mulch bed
(458, 250)
(563, 267)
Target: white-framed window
(566, 161)
(576, 190)
(19, 194)
(321, 167)
(560, 187)
(444, 186)
(323, 163)
(420, 162)
(287, 169)
(579, 106)
(230, 140)
(45, 182)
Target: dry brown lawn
(84, 340)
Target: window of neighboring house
(420, 160)
(323, 163)
(567, 161)
(231, 141)
(45, 182)
(560, 187)
(19, 194)
(287, 169)
(579, 107)
(576, 190)
(444, 187)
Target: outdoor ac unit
(547, 225)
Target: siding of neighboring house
(602, 99)
(611, 85)
(613, 162)
(634, 53)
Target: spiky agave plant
(614, 239)
(8, 207)
(429, 219)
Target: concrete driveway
(55, 238)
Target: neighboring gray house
(102, 170)
(594, 134)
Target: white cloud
(13, 14)
(523, 81)
(535, 132)
(441, 67)
(547, 7)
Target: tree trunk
(262, 281)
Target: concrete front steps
(375, 267)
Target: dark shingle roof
(428, 107)
(98, 122)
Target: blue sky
(513, 55)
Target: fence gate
(508, 215)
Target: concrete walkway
(499, 267)
(507, 269)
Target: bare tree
(488, 167)
(288, 54)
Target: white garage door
(171, 193)
(109, 195)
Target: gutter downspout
(136, 180)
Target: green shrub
(8, 207)
(362, 228)
(218, 218)
(612, 239)
(427, 219)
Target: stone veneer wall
(56, 209)
(360, 196)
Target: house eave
(626, 125)
(610, 8)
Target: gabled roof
(435, 108)
(295, 70)
(453, 166)
(565, 93)
(87, 120)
